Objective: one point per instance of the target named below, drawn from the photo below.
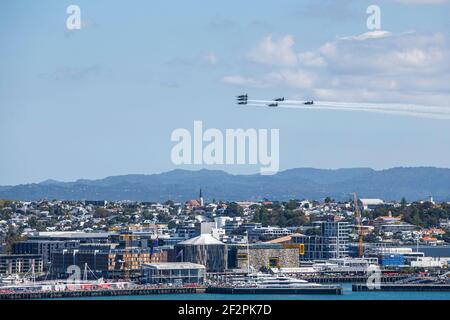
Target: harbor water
(347, 295)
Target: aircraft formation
(243, 100)
(414, 110)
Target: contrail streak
(433, 112)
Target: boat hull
(335, 290)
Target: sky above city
(103, 100)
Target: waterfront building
(20, 264)
(345, 265)
(204, 250)
(332, 242)
(315, 247)
(257, 256)
(431, 262)
(101, 261)
(391, 256)
(132, 239)
(177, 273)
(105, 260)
(45, 248)
(391, 259)
(45, 243)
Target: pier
(403, 287)
(351, 278)
(98, 293)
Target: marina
(344, 292)
(251, 285)
(347, 294)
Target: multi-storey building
(331, 243)
(43, 248)
(267, 233)
(20, 264)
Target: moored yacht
(263, 280)
(263, 283)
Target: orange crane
(358, 220)
(126, 258)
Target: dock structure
(403, 287)
(335, 290)
(351, 278)
(97, 293)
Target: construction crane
(358, 221)
(126, 258)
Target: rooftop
(284, 239)
(371, 201)
(203, 239)
(69, 234)
(173, 265)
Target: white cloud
(376, 66)
(401, 68)
(294, 78)
(277, 53)
(390, 55)
(242, 81)
(311, 59)
(368, 35)
(211, 58)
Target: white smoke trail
(399, 107)
(384, 111)
(433, 112)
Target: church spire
(201, 198)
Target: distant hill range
(415, 183)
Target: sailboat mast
(248, 254)
(85, 272)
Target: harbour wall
(97, 293)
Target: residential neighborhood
(49, 229)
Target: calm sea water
(348, 295)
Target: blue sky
(104, 100)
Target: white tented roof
(204, 239)
(371, 201)
(173, 265)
